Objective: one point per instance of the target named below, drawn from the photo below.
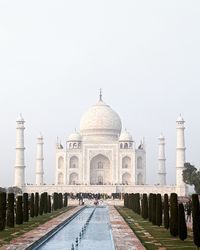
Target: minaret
(161, 161)
(39, 161)
(19, 160)
(180, 156)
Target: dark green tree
(32, 205)
(45, 202)
(2, 210)
(41, 209)
(154, 209)
(55, 201)
(10, 210)
(36, 204)
(191, 176)
(173, 222)
(166, 211)
(19, 210)
(158, 210)
(182, 227)
(49, 204)
(25, 210)
(65, 200)
(60, 200)
(150, 206)
(196, 219)
(144, 206)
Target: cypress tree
(182, 228)
(150, 206)
(166, 211)
(145, 206)
(49, 204)
(196, 219)
(19, 211)
(137, 202)
(45, 202)
(10, 211)
(158, 210)
(41, 210)
(60, 200)
(32, 205)
(66, 200)
(36, 205)
(173, 223)
(25, 210)
(55, 201)
(153, 211)
(2, 210)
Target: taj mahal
(101, 158)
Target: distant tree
(154, 209)
(49, 204)
(137, 200)
(55, 201)
(19, 210)
(45, 202)
(2, 190)
(150, 206)
(26, 205)
(66, 200)
(182, 228)
(2, 210)
(191, 176)
(158, 210)
(10, 210)
(41, 209)
(60, 200)
(15, 190)
(36, 204)
(196, 219)
(144, 206)
(32, 205)
(173, 223)
(166, 211)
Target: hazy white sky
(55, 55)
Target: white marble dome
(100, 119)
(125, 136)
(76, 136)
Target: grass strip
(154, 237)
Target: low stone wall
(108, 189)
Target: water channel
(89, 230)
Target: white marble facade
(100, 154)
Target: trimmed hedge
(173, 223)
(2, 210)
(10, 211)
(19, 211)
(166, 211)
(182, 227)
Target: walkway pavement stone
(124, 238)
(27, 239)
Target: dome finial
(100, 95)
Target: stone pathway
(124, 238)
(30, 237)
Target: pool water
(96, 235)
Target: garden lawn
(154, 237)
(10, 233)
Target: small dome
(125, 136)
(75, 137)
(180, 119)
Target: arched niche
(100, 170)
(73, 179)
(139, 162)
(74, 162)
(126, 179)
(140, 179)
(126, 162)
(60, 179)
(61, 163)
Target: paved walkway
(30, 237)
(124, 237)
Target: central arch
(100, 170)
